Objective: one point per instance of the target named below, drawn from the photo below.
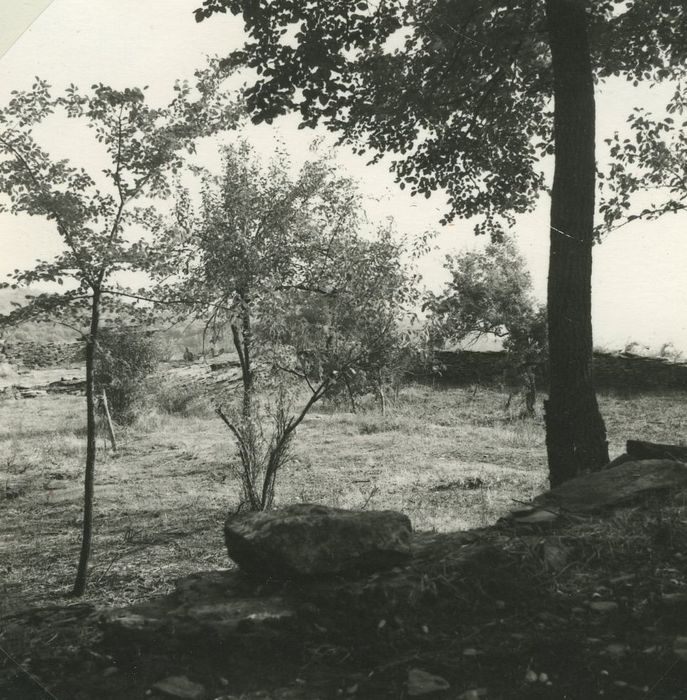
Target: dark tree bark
(575, 431)
(89, 477)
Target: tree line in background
(310, 295)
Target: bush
(125, 357)
(174, 398)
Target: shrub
(125, 357)
(173, 398)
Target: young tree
(279, 262)
(490, 292)
(460, 93)
(93, 213)
(125, 357)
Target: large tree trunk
(89, 477)
(575, 431)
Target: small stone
(422, 683)
(603, 606)
(531, 676)
(500, 605)
(674, 598)
(680, 648)
(473, 694)
(555, 556)
(543, 678)
(110, 671)
(471, 652)
(616, 649)
(180, 687)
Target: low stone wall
(621, 371)
(32, 354)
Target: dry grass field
(450, 458)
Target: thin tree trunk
(91, 427)
(351, 397)
(247, 375)
(382, 396)
(575, 431)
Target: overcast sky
(640, 286)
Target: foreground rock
(215, 607)
(307, 540)
(622, 484)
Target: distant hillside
(31, 332)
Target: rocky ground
(562, 600)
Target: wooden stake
(108, 419)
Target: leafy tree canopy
(459, 92)
(279, 259)
(490, 292)
(652, 158)
(94, 213)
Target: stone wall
(621, 371)
(32, 354)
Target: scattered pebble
(471, 652)
(680, 648)
(674, 598)
(603, 606)
(616, 649)
(543, 678)
(422, 683)
(473, 694)
(180, 687)
(531, 676)
(110, 671)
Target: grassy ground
(451, 459)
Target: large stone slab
(307, 540)
(616, 486)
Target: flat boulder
(618, 485)
(310, 540)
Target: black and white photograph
(343, 349)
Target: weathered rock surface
(422, 683)
(622, 484)
(639, 450)
(307, 539)
(617, 485)
(180, 687)
(214, 606)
